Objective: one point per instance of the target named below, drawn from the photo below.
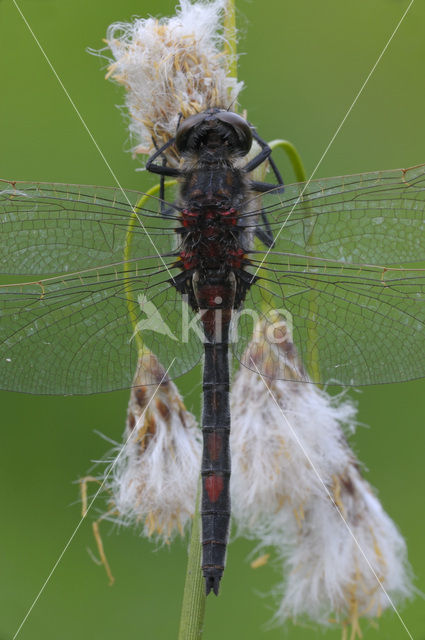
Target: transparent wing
(60, 228)
(350, 325)
(373, 218)
(82, 333)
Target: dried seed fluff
(171, 68)
(296, 485)
(154, 482)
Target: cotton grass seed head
(270, 466)
(343, 558)
(154, 481)
(171, 68)
(296, 485)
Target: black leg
(264, 154)
(263, 187)
(264, 233)
(162, 187)
(165, 212)
(162, 169)
(259, 159)
(275, 171)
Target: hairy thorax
(211, 199)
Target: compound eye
(240, 127)
(184, 129)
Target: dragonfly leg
(263, 187)
(264, 154)
(162, 188)
(264, 233)
(164, 211)
(162, 169)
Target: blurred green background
(305, 61)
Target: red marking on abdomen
(214, 486)
(213, 326)
(214, 444)
(212, 296)
(215, 301)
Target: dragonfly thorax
(220, 187)
(211, 240)
(212, 194)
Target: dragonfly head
(214, 132)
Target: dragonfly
(102, 275)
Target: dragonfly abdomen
(215, 297)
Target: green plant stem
(193, 607)
(230, 46)
(312, 337)
(132, 224)
(294, 158)
(194, 599)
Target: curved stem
(133, 222)
(294, 158)
(312, 334)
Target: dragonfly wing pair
(93, 271)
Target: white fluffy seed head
(340, 563)
(270, 465)
(171, 68)
(155, 480)
(293, 478)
